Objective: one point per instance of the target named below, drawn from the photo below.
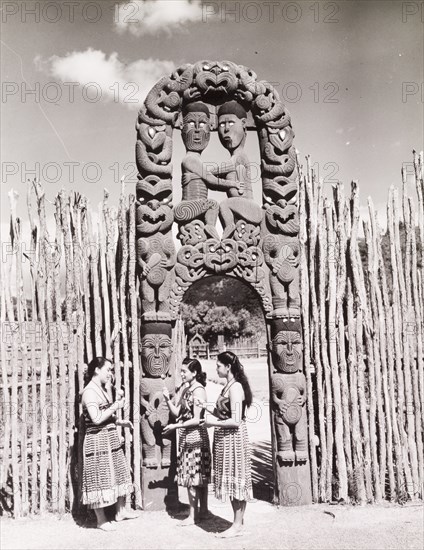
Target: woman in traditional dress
(106, 477)
(231, 448)
(194, 457)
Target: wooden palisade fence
(82, 302)
(68, 297)
(363, 337)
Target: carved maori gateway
(259, 244)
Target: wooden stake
(315, 199)
(332, 341)
(304, 292)
(132, 289)
(123, 239)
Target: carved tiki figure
(156, 350)
(288, 392)
(239, 205)
(195, 133)
(155, 247)
(281, 254)
(196, 179)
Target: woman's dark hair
(195, 367)
(230, 359)
(96, 363)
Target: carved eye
(165, 201)
(231, 123)
(268, 199)
(191, 124)
(206, 67)
(221, 125)
(201, 124)
(225, 68)
(282, 134)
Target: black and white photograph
(212, 274)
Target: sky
(75, 73)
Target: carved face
(287, 351)
(216, 78)
(231, 130)
(156, 352)
(196, 131)
(280, 202)
(154, 213)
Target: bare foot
(106, 526)
(231, 532)
(127, 514)
(187, 522)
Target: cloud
(108, 77)
(141, 17)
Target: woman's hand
(209, 421)
(169, 429)
(120, 400)
(166, 395)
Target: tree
(209, 320)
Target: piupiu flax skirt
(194, 457)
(232, 464)
(106, 475)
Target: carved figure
(195, 178)
(153, 150)
(280, 203)
(281, 254)
(156, 350)
(239, 204)
(288, 392)
(215, 78)
(155, 251)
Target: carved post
(288, 397)
(156, 352)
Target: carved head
(286, 346)
(216, 78)
(156, 349)
(280, 203)
(154, 209)
(232, 125)
(196, 130)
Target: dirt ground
(308, 527)
(314, 527)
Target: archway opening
(223, 313)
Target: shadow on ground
(262, 471)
